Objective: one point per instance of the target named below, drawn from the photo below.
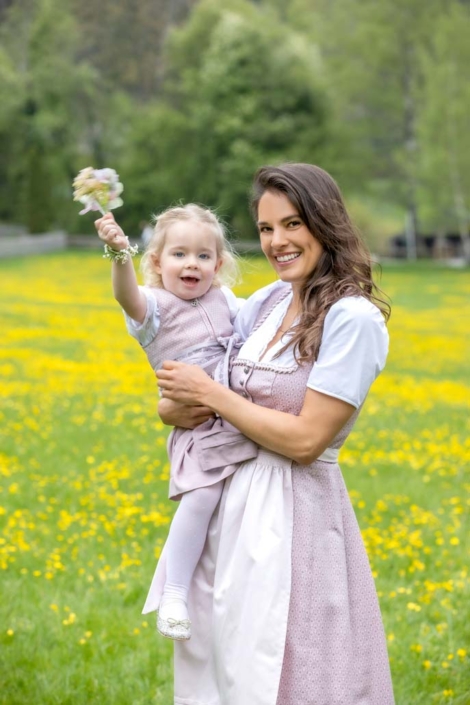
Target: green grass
(83, 508)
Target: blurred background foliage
(186, 99)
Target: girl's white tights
(184, 546)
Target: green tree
(41, 123)
(124, 40)
(386, 64)
(444, 137)
(240, 90)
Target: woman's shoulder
(256, 305)
(266, 292)
(358, 306)
(353, 350)
(355, 322)
(357, 312)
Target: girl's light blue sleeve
(235, 304)
(146, 331)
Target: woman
(284, 603)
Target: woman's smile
(285, 259)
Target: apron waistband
(329, 455)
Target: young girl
(183, 313)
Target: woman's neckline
(284, 306)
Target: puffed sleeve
(235, 304)
(248, 314)
(146, 331)
(353, 350)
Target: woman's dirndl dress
(283, 602)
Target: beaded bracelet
(120, 255)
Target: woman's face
(286, 241)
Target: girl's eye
(265, 229)
(178, 254)
(294, 223)
(204, 256)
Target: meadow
(83, 497)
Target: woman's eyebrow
(283, 220)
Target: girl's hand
(172, 413)
(187, 384)
(110, 232)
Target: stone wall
(20, 245)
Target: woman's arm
(125, 287)
(302, 438)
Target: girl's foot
(173, 619)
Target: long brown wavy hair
(344, 269)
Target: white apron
(251, 588)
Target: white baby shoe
(173, 619)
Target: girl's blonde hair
(228, 272)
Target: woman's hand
(110, 232)
(172, 413)
(186, 384)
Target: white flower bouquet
(98, 190)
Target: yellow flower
(416, 647)
(413, 607)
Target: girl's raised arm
(125, 287)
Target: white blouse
(353, 350)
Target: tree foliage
(444, 137)
(239, 91)
(188, 98)
(42, 120)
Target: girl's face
(286, 241)
(188, 261)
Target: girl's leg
(184, 548)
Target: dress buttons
(245, 395)
(242, 382)
(246, 370)
(194, 302)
